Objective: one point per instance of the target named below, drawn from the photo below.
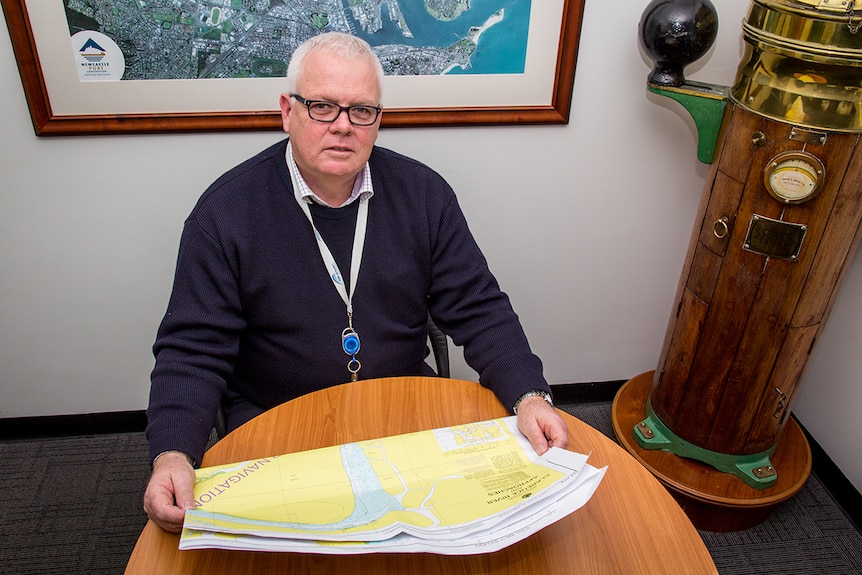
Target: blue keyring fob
(350, 342)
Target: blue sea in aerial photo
(502, 48)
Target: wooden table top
(630, 525)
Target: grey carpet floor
(73, 506)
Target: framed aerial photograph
(125, 66)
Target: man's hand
(170, 491)
(541, 424)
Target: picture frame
(61, 105)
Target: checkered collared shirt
(362, 186)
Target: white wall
(586, 226)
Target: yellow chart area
(436, 480)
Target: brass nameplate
(774, 238)
(807, 136)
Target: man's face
(331, 154)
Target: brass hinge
(838, 7)
(835, 6)
(842, 7)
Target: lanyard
(349, 337)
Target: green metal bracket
(755, 469)
(705, 103)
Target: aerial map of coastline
(189, 39)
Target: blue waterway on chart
(502, 48)
(371, 501)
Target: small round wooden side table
(713, 500)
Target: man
(291, 257)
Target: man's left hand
(541, 424)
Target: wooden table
(630, 525)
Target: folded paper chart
(458, 490)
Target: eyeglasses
(323, 111)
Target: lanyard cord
(356, 257)
(349, 337)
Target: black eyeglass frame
(348, 109)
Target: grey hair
(335, 43)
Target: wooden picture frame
(37, 45)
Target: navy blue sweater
(253, 309)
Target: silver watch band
(532, 393)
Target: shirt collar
(362, 186)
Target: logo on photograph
(98, 57)
(92, 52)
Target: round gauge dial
(794, 177)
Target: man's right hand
(170, 491)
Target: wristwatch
(532, 393)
